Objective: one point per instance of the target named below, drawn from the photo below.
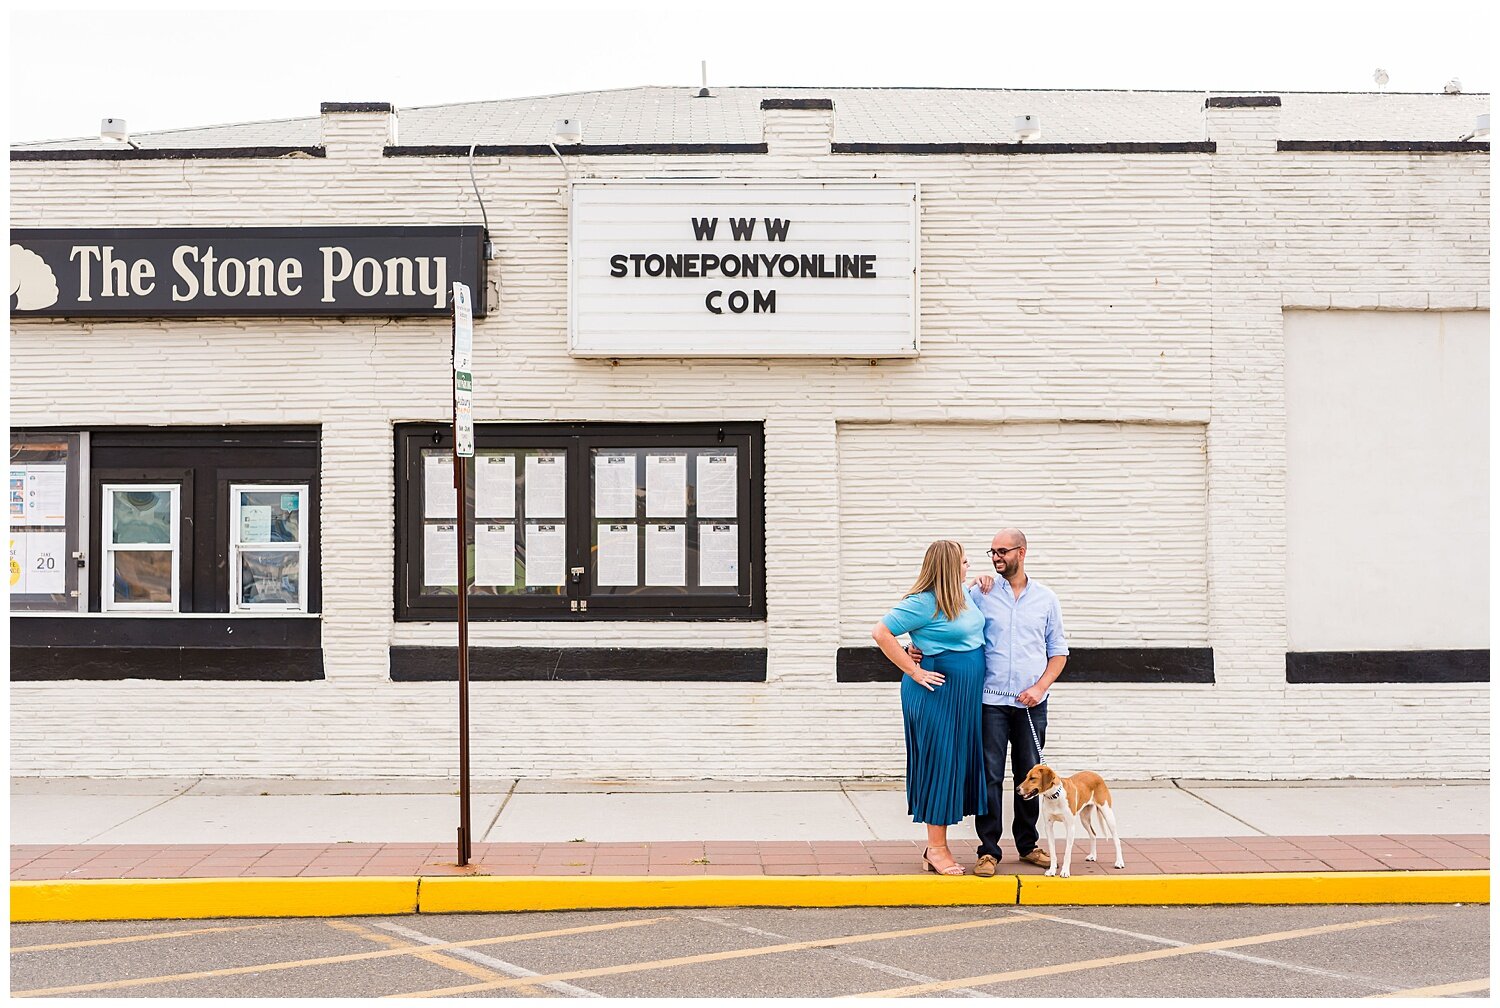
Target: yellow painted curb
(501, 893)
(187, 899)
(1268, 887)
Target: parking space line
(1134, 957)
(443, 959)
(132, 938)
(327, 960)
(895, 971)
(1442, 990)
(1241, 956)
(499, 965)
(707, 957)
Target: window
(45, 505)
(584, 520)
(267, 550)
(140, 547)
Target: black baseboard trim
(1454, 666)
(1119, 147)
(66, 632)
(167, 153)
(1097, 665)
(542, 664)
(1386, 146)
(170, 664)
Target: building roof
(662, 115)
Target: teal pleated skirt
(944, 750)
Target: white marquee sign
(743, 269)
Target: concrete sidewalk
(158, 811)
(111, 849)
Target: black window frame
(576, 601)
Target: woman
(940, 698)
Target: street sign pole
(463, 450)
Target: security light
(1026, 127)
(567, 131)
(115, 129)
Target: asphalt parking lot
(1242, 951)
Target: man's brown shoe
(1038, 857)
(985, 866)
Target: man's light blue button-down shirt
(1020, 634)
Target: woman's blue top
(931, 631)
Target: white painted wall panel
(1114, 514)
(1387, 480)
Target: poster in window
(718, 555)
(495, 486)
(614, 486)
(494, 554)
(545, 555)
(440, 555)
(666, 486)
(37, 563)
(39, 494)
(18, 495)
(546, 486)
(718, 485)
(440, 499)
(255, 523)
(666, 555)
(617, 556)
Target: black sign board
(238, 272)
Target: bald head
(1009, 537)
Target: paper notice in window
(545, 551)
(44, 561)
(617, 556)
(255, 523)
(19, 578)
(614, 486)
(439, 499)
(718, 486)
(718, 556)
(666, 486)
(440, 556)
(46, 495)
(546, 487)
(495, 486)
(666, 554)
(494, 554)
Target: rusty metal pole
(460, 481)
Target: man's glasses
(1002, 552)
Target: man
(1024, 653)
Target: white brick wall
(1142, 289)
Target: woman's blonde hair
(942, 574)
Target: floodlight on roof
(115, 129)
(1026, 127)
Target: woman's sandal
(953, 869)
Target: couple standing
(983, 656)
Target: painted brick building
(1223, 358)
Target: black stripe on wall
(1387, 146)
(1457, 666)
(1242, 101)
(1124, 147)
(168, 154)
(332, 106)
(1099, 665)
(164, 632)
(825, 104)
(543, 150)
(173, 664)
(532, 664)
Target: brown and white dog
(1071, 801)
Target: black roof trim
(1242, 101)
(1388, 146)
(797, 103)
(1188, 147)
(543, 150)
(168, 154)
(334, 106)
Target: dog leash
(1035, 741)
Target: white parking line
(895, 971)
(510, 969)
(1174, 943)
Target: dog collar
(1058, 793)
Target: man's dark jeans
(1004, 726)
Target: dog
(1071, 801)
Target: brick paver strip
(1146, 856)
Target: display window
(46, 513)
(584, 520)
(140, 537)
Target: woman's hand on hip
(927, 677)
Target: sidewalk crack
(503, 802)
(858, 814)
(143, 811)
(1178, 785)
